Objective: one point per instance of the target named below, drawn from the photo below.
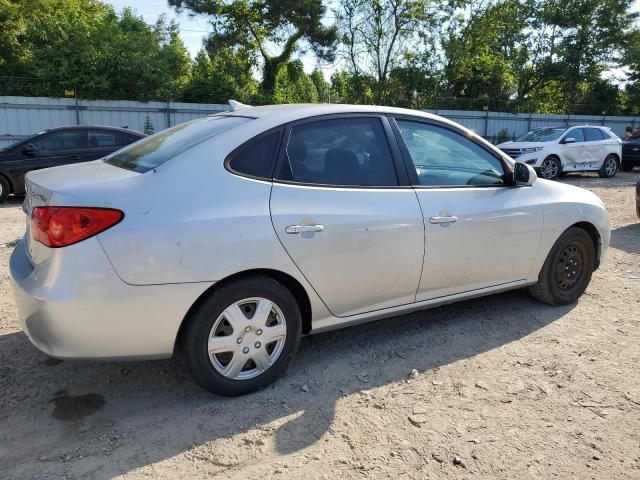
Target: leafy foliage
(551, 56)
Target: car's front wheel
(566, 272)
(241, 338)
(550, 168)
(609, 167)
(626, 167)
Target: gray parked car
(230, 236)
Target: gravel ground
(500, 387)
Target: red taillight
(62, 226)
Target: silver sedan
(229, 237)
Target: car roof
(100, 127)
(279, 114)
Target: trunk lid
(90, 184)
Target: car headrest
(341, 167)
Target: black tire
(626, 167)
(4, 189)
(557, 285)
(551, 168)
(609, 167)
(209, 310)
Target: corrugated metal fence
(24, 116)
(493, 124)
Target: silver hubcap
(549, 169)
(247, 338)
(611, 166)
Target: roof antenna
(235, 105)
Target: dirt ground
(503, 388)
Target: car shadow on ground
(142, 413)
(626, 238)
(12, 202)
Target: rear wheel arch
(289, 282)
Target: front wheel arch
(595, 237)
(555, 157)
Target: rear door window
(151, 152)
(345, 152)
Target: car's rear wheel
(241, 338)
(4, 189)
(626, 167)
(609, 167)
(550, 168)
(567, 271)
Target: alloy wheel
(549, 169)
(611, 166)
(247, 338)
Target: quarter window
(442, 157)
(345, 152)
(257, 158)
(592, 135)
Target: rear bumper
(74, 306)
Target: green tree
(258, 27)
(220, 76)
(378, 34)
(293, 85)
(323, 88)
(85, 45)
(483, 49)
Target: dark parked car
(630, 154)
(638, 198)
(58, 146)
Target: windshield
(542, 135)
(155, 150)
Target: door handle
(450, 219)
(293, 229)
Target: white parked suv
(556, 151)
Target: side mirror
(569, 140)
(524, 174)
(29, 149)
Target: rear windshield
(542, 135)
(155, 150)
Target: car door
(51, 149)
(343, 210)
(480, 230)
(573, 152)
(631, 150)
(596, 148)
